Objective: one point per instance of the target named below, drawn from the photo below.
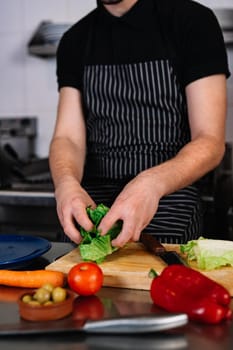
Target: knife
(148, 323)
(154, 246)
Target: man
(141, 117)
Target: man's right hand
(72, 201)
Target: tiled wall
(27, 83)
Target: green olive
(48, 286)
(42, 295)
(26, 298)
(58, 294)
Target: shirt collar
(136, 16)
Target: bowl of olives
(46, 303)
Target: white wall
(217, 3)
(27, 83)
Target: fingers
(80, 216)
(130, 232)
(73, 214)
(107, 222)
(127, 234)
(70, 230)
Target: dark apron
(136, 119)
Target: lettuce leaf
(209, 253)
(97, 250)
(95, 247)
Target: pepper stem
(152, 273)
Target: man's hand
(135, 206)
(72, 201)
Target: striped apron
(136, 119)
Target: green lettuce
(209, 253)
(95, 247)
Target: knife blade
(154, 246)
(148, 323)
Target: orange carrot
(31, 279)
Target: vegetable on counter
(45, 295)
(209, 253)
(95, 247)
(181, 289)
(85, 278)
(31, 279)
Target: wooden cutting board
(129, 267)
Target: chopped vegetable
(95, 247)
(31, 279)
(181, 289)
(209, 253)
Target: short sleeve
(69, 61)
(202, 45)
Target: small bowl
(46, 312)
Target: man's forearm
(66, 160)
(192, 162)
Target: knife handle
(151, 243)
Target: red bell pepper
(181, 289)
(195, 281)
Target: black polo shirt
(150, 28)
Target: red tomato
(85, 278)
(88, 307)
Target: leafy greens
(95, 247)
(209, 253)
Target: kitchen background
(28, 89)
(28, 83)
